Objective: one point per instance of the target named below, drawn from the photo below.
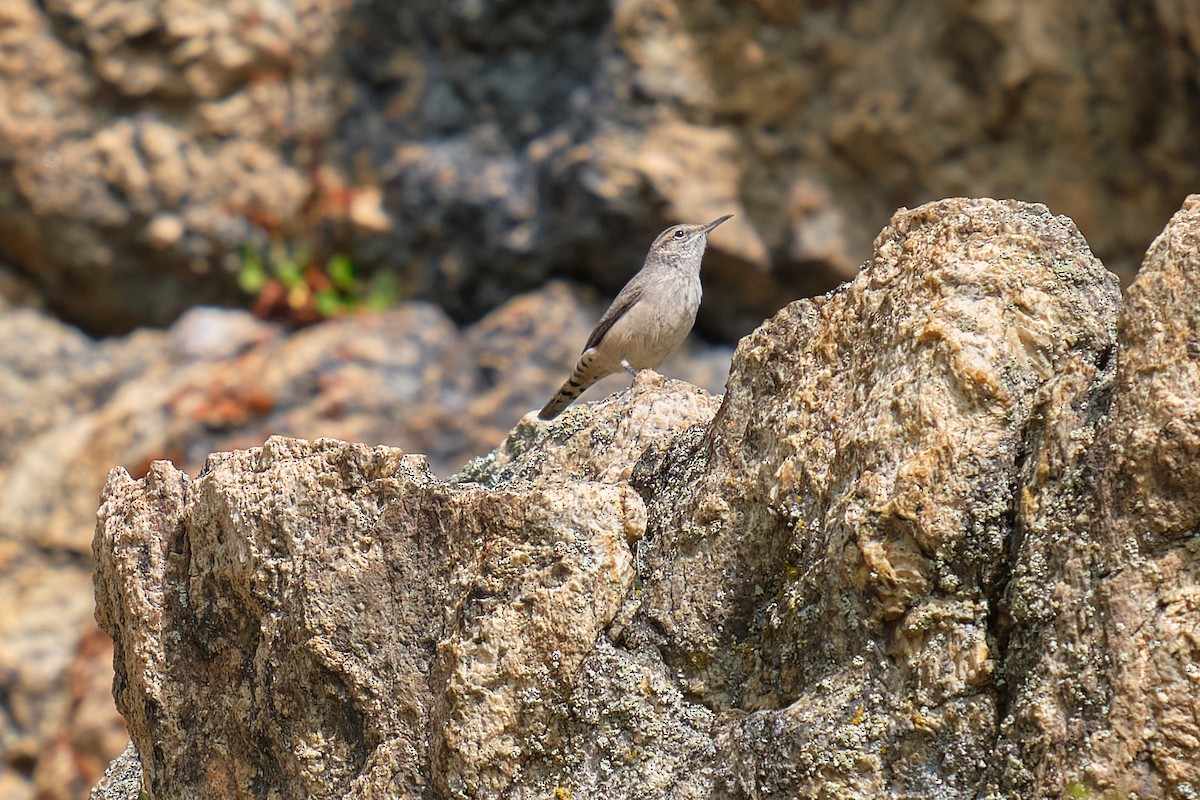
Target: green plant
(285, 281)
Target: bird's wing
(626, 299)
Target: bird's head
(683, 242)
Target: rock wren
(649, 318)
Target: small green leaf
(290, 272)
(381, 291)
(251, 276)
(327, 303)
(340, 269)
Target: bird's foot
(628, 367)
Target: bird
(649, 318)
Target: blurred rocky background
(313, 158)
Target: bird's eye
(678, 234)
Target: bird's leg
(628, 367)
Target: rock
(478, 149)
(71, 407)
(220, 379)
(932, 542)
(87, 733)
(808, 123)
(376, 744)
(1103, 688)
(17, 292)
(601, 442)
(123, 778)
(56, 723)
(146, 146)
(826, 563)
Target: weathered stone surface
(71, 407)
(936, 541)
(122, 779)
(477, 148)
(1107, 593)
(218, 380)
(602, 442)
(478, 629)
(826, 558)
(1148, 497)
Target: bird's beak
(707, 228)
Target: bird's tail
(586, 373)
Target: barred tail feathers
(586, 373)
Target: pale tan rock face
(936, 540)
(1146, 465)
(832, 564)
(1102, 602)
(407, 607)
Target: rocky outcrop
(71, 407)
(1104, 600)
(935, 540)
(475, 149)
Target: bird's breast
(657, 324)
